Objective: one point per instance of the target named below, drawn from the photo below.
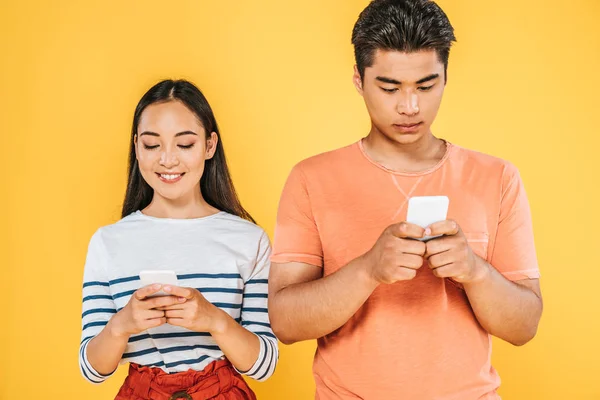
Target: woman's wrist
(115, 330)
(221, 322)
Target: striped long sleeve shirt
(225, 257)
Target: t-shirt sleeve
(513, 252)
(255, 315)
(296, 234)
(98, 304)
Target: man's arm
(305, 305)
(506, 309)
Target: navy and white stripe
(223, 256)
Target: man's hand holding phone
(396, 256)
(427, 234)
(450, 255)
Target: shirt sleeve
(513, 252)
(296, 234)
(255, 316)
(98, 305)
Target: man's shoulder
(482, 162)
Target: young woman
(181, 213)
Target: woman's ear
(211, 145)
(135, 147)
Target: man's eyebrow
(388, 80)
(428, 78)
(396, 82)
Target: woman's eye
(148, 147)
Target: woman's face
(171, 147)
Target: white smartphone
(426, 210)
(164, 277)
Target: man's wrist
(481, 271)
(364, 270)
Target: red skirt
(218, 381)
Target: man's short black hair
(401, 25)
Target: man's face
(403, 92)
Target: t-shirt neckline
(438, 165)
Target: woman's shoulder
(240, 225)
(126, 223)
(221, 227)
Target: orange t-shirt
(416, 339)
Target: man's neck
(410, 157)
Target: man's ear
(357, 80)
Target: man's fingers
(407, 230)
(415, 247)
(448, 271)
(439, 245)
(403, 274)
(410, 261)
(146, 291)
(440, 260)
(447, 227)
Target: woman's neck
(187, 207)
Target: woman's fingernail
(167, 288)
(427, 232)
(156, 286)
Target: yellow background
(523, 85)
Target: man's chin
(405, 138)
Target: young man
(397, 317)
